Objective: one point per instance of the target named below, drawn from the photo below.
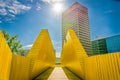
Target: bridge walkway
(57, 73)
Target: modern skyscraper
(76, 18)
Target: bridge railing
(101, 67)
(40, 57)
(5, 59)
(73, 54)
(42, 54)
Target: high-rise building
(76, 18)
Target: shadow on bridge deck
(70, 75)
(47, 73)
(44, 75)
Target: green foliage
(14, 44)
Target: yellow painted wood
(5, 58)
(40, 57)
(107, 67)
(42, 54)
(100, 67)
(20, 68)
(73, 54)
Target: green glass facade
(113, 43)
(99, 46)
(106, 45)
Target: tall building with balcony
(76, 18)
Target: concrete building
(76, 18)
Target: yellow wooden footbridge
(40, 61)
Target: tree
(14, 44)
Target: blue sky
(27, 17)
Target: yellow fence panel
(91, 69)
(20, 68)
(100, 67)
(73, 54)
(5, 59)
(117, 61)
(42, 54)
(40, 57)
(103, 67)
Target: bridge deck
(57, 73)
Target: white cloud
(56, 42)
(0, 21)
(3, 11)
(10, 8)
(38, 6)
(52, 1)
(57, 47)
(108, 11)
(58, 54)
(17, 7)
(31, 0)
(2, 4)
(28, 46)
(12, 15)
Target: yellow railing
(73, 54)
(20, 68)
(40, 57)
(101, 67)
(42, 54)
(5, 59)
